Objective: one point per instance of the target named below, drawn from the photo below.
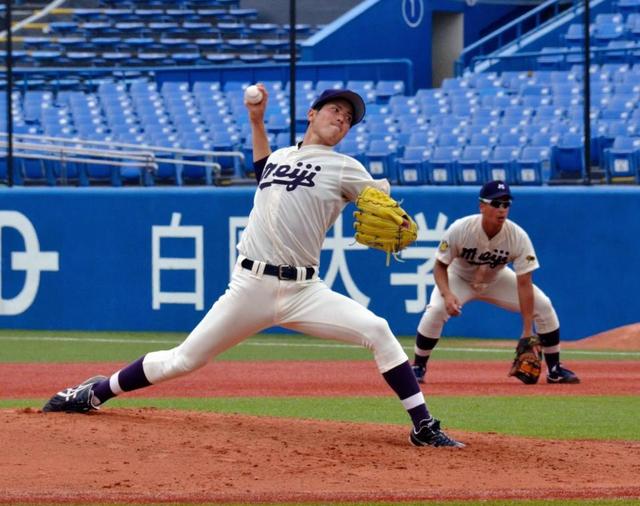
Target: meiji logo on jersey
(492, 259)
(444, 246)
(292, 177)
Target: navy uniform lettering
(492, 259)
(469, 253)
(292, 177)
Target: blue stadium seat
(86, 58)
(385, 89)
(575, 34)
(501, 163)
(450, 140)
(441, 167)
(380, 159)
(608, 17)
(354, 148)
(411, 166)
(567, 163)
(533, 165)
(63, 27)
(116, 57)
(186, 58)
(606, 31)
(548, 113)
(326, 84)
(241, 44)
(195, 27)
(277, 123)
(147, 14)
(419, 139)
(382, 131)
(244, 14)
(136, 44)
(46, 58)
(253, 59)
(605, 133)
(206, 88)
(411, 123)
(207, 45)
(621, 160)
(75, 44)
(365, 88)
(235, 86)
(263, 29)
(536, 100)
(472, 164)
(480, 139)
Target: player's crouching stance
(471, 264)
(301, 191)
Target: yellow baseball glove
(381, 223)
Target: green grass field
(27, 346)
(561, 417)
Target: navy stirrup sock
(403, 382)
(132, 377)
(424, 346)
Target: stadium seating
(523, 126)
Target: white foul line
(289, 344)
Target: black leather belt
(288, 272)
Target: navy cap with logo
(495, 190)
(350, 96)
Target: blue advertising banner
(158, 258)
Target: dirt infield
(150, 455)
(145, 455)
(326, 378)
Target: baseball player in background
(471, 264)
(301, 191)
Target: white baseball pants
(503, 292)
(254, 302)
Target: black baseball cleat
(76, 399)
(431, 435)
(559, 374)
(419, 372)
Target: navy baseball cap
(495, 190)
(350, 96)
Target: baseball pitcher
(301, 190)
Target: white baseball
(252, 95)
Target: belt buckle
(281, 271)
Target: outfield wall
(157, 258)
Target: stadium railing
(145, 158)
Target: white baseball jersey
(300, 195)
(477, 259)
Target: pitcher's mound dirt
(621, 338)
(151, 455)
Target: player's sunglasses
(497, 203)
